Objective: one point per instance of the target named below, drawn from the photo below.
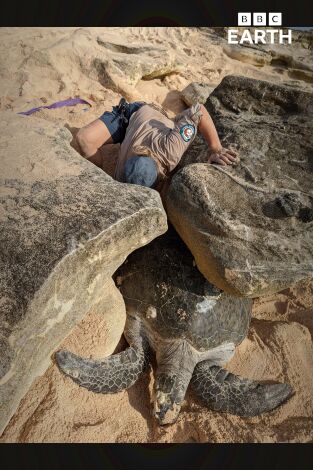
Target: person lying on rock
(151, 143)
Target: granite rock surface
(65, 228)
(250, 227)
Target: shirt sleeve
(173, 144)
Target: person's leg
(91, 137)
(108, 129)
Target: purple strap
(58, 104)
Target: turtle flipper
(110, 375)
(224, 391)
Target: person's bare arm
(217, 154)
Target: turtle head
(165, 410)
(169, 393)
(176, 363)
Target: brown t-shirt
(166, 139)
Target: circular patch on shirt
(187, 131)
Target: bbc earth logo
(260, 36)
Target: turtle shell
(161, 283)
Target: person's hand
(223, 156)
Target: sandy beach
(40, 66)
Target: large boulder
(249, 55)
(65, 228)
(80, 61)
(250, 227)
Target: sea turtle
(192, 326)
